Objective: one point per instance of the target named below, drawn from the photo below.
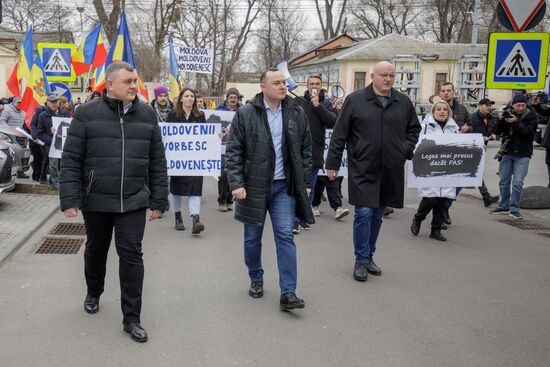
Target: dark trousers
(224, 193)
(37, 158)
(437, 206)
(129, 228)
(45, 149)
(333, 192)
(547, 160)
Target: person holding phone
(321, 116)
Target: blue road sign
(61, 89)
(517, 60)
(56, 58)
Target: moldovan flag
(121, 49)
(22, 69)
(143, 89)
(90, 54)
(173, 75)
(98, 79)
(36, 92)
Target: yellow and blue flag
(91, 53)
(173, 76)
(121, 49)
(36, 92)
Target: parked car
(19, 143)
(8, 168)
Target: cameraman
(517, 128)
(546, 138)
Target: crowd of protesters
(286, 173)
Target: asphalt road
(480, 299)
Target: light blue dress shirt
(275, 119)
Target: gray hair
(115, 67)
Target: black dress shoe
(137, 333)
(436, 235)
(446, 217)
(91, 304)
(444, 227)
(360, 273)
(289, 301)
(372, 268)
(415, 226)
(256, 289)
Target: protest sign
(220, 117)
(192, 149)
(194, 59)
(344, 166)
(447, 160)
(61, 126)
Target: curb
(19, 242)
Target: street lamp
(80, 9)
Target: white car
(8, 167)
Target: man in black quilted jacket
(113, 169)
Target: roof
(325, 46)
(390, 45)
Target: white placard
(192, 149)
(194, 59)
(61, 126)
(220, 117)
(447, 160)
(344, 165)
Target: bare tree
(215, 24)
(44, 16)
(327, 14)
(152, 34)
(376, 18)
(450, 20)
(281, 38)
(109, 21)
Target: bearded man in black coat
(380, 128)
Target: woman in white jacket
(434, 198)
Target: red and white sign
(521, 12)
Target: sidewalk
(20, 216)
(537, 176)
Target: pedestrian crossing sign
(56, 58)
(517, 60)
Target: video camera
(542, 97)
(507, 112)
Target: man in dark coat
(231, 103)
(268, 164)
(380, 127)
(113, 169)
(483, 122)
(45, 132)
(321, 116)
(517, 128)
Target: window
(440, 78)
(359, 80)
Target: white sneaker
(340, 213)
(316, 211)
